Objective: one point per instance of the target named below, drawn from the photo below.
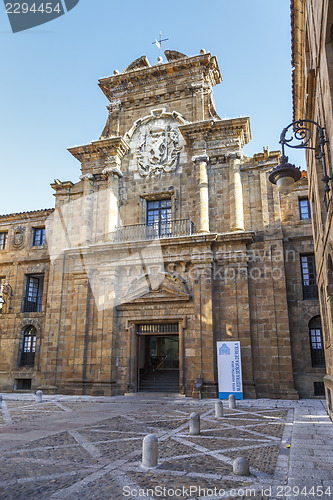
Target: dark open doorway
(158, 362)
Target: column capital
(203, 158)
(233, 156)
(113, 170)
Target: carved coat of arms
(158, 151)
(18, 237)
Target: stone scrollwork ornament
(158, 151)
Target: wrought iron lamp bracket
(302, 131)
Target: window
(38, 236)
(304, 209)
(310, 290)
(22, 384)
(34, 293)
(159, 216)
(3, 240)
(316, 342)
(29, 347)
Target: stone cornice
(130, 82)
(58, 185)
(26, 216)
(218, 129)
(115, 146)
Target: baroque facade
(312, 60)
(171, 241)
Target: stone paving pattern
(81, 447)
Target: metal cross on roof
(158, 43)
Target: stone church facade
(171, 241)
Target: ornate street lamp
(285, 174)
(5, 290)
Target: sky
(50, 100)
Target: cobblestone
(90, 448)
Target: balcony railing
(159, 230)
(32, 305)
(310, 292)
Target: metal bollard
(150, 451)
(194, 424)
(241, 466)
(218, 409)
(232, 402)
(39, 396)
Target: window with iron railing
(34, 293)
(310, 289)
(159, 216)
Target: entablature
(202, 67)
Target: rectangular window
(38, 239)
(3, 240)
(310, 290)
(304, 209)
(34, 294)
(159, 216)
(22, 384)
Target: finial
(116, 72)
(159, 60)
(202, 51)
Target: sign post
(229, 369)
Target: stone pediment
(171, 289)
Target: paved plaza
(80, 447)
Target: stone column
(87, 208)
(114, 174)
(236, 194)
(201, 178)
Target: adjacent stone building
(312, 59)
(171, 241)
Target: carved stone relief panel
(156, 145)
(18, 238)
